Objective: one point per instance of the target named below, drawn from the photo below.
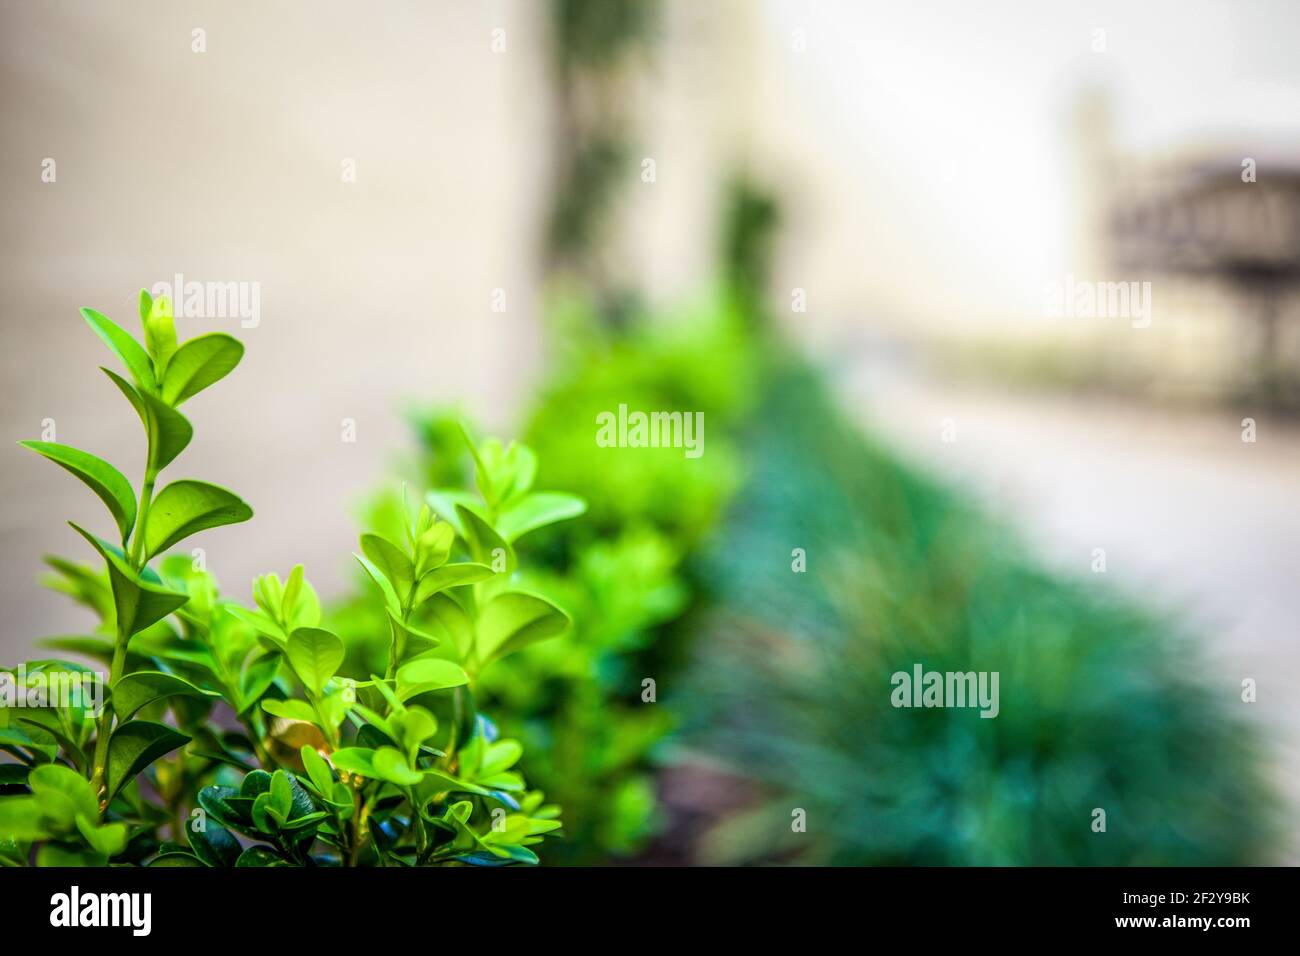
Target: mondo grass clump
(1114, 743)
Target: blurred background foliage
(577, 701)
(1102, 705)
(772, 688)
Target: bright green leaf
(199, 363)
(50, 779)
(428, 674)
(318, 771)
(485, 545)
(411, 640)
(21, 820)
(433, 546)
(134, 746)
(61, 855)
(482, 473)
(359, 760)
(449, 576)
(108, 838)
(36, 740)
(515, 619)
(281, 795)
(315, 656)
(134, 690)
(391, 599)
(447, 620)
(159, 334)
(132, 353)
(437, 782)
(413, 725)
(186, 507)
(259, 622)
(293, 591)
(391, 561)
(167, 430)
(499, 756)
(390, 765)
(444, 502)
(538, 510)
(102, 478)
(255, 679)
(290, 710)
(138, 601)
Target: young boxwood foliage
(594, 736)
(431, 780)
(275, 753)
(72, 784)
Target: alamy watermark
(624, 429)
(213, 300)
(54, 688)
(75, 908)
(922, 688)
(1074, 299)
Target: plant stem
(142, 519)
(391, 671)
(421, 838)
(100, 763)
(359, 810)
(394, 650)
(324, 724)
(448, 759)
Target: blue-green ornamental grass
(235, 736)
(1103, 707)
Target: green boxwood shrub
(580, 703)
(224, 735)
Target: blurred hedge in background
(681, 572)
(1102, 705)
(577, 701)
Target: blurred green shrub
(577, 702)
(681, 572)
(1102, 706)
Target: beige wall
(920, 152)
(226, 166)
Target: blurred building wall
(925, 156)
(227, 165)
(933, 157)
